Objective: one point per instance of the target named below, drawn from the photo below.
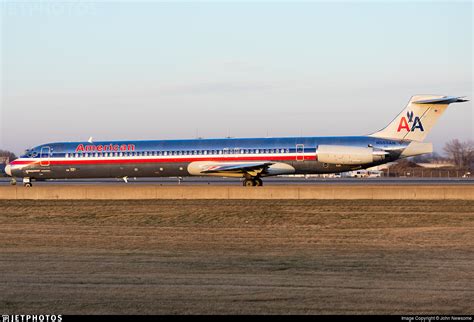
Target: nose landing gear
(27, 182)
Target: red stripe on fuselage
(53, 161)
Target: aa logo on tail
(405, 123)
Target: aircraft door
(300, 152)
(44, 156)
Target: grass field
(66, 257)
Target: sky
(118, 70)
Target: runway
(270, 181)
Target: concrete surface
(270, 181)
(106, 192)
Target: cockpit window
(27, 154)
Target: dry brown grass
(236, 256)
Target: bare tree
(9, 156)
(461, 153)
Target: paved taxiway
(189, 181)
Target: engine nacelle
(349, 155)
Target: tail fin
(418, 118)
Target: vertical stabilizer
(418, 118)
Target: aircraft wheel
(248, 183)
(13, 181)
(27, 182)
(258, 182)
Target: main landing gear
(253, 182)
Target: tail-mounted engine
(349, 155)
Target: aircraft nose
(8, 170)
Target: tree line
(6, 156)
(460, 153)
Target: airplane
(249, 158)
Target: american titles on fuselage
(105, 147)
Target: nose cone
(8, 170)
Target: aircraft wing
(252, 168)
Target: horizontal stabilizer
(443, 100)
